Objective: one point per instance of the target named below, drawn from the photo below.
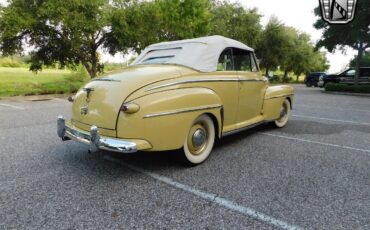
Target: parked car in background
(347, 77)
(312, 79)
(181, 94)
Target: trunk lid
(98, 102)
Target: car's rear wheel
(285, 111)
(200, 139)
(308, 84)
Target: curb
(346, 94)
(45, 97)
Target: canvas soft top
(200, 53)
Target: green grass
(20, 81)
(14, 62)
(278, 77)
(112, 67)
(334, 87)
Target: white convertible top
(200, 53)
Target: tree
(72, 32)
(134, 25)
(319, 62)
(300, 55)
(148, 22)
(355, 34)
(182, 19)
(364, 62)
(234, 21)
(291, 56)
(269, 49)
(67, 32)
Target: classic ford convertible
(181, 94)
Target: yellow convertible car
(181, 94)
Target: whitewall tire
(199, 140)
(285, 111)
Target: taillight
(130, 108)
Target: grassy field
(20, 81)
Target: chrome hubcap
(283, 111)
(199, 138)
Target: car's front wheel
(200, 139)
(285, 111)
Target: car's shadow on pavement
(174, 160)
(295, 127)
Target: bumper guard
(93, 139)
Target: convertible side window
(225, 61)
(243, 60)
(253, 62)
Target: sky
(295, 13)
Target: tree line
(71, 33)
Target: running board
(243, 129)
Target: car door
(348, 76)
(252, 87)
(364, 76)
(226, 86)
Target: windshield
(348, 72)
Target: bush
(10, 62)
(80, 75)
(347, 88)
(274, 79)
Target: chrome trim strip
(182, 111)
(286, 95)
(190, 81)
(203, 80)
(252, 79)
(105, 79)
(93, 139)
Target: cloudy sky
(296, 13)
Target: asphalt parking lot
(313, 174)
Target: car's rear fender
(165, 117)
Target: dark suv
(347, 77)
(313, 79)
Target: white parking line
(12, 106)
(315, 142)
(210, 197)
(329, 119)
(332, 108)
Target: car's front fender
(164, 118)
(273, 100)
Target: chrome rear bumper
(93, 139)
